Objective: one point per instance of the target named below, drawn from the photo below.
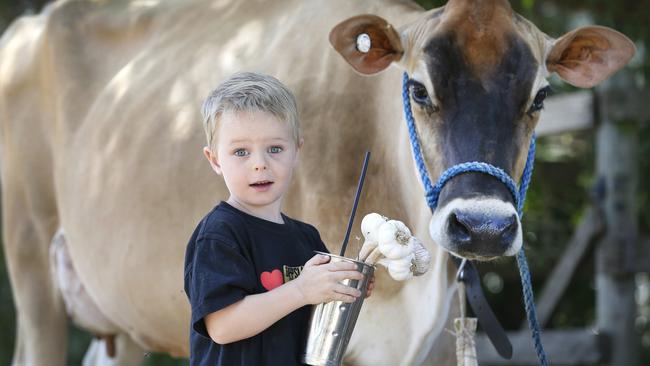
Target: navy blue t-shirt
(231, 255)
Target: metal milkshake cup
(332, 323)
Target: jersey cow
(101, 137)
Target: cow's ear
(586, 56)
(367, 42)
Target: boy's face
(256, 154)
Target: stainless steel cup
(332, 323)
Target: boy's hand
(319, 281)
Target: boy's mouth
(261, 185)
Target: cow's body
(101, 135)
(112, 148)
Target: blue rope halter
(433, 192)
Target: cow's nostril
(458, 230)
(481, 233)
(509, 231)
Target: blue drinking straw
(356, 202)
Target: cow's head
(477, 85)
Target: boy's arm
(252, 314)
(317, 283)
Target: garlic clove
(399, 269)
(422, 257)
(393, 239)
(395, 251)
(393, 230)
(403, 263)
(370, 224)
(401, 227)
(400, 275)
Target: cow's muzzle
(480, 229)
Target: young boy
(244, 273)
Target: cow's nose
(482, 234)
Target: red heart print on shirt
(271, 280)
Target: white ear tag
(363, 43)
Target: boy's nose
(259, 164)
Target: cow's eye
(538, 102)
(419, 93)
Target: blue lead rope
(433, 192)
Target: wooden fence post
(617, 169)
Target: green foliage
(527, 4)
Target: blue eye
(275, 149)
(240, 152)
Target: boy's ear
(212, 159)
(298, 148)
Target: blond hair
(249, 92)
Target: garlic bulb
(399, 269)
(422, 257)
(390, 243)
(370, 224)
(393, 239)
